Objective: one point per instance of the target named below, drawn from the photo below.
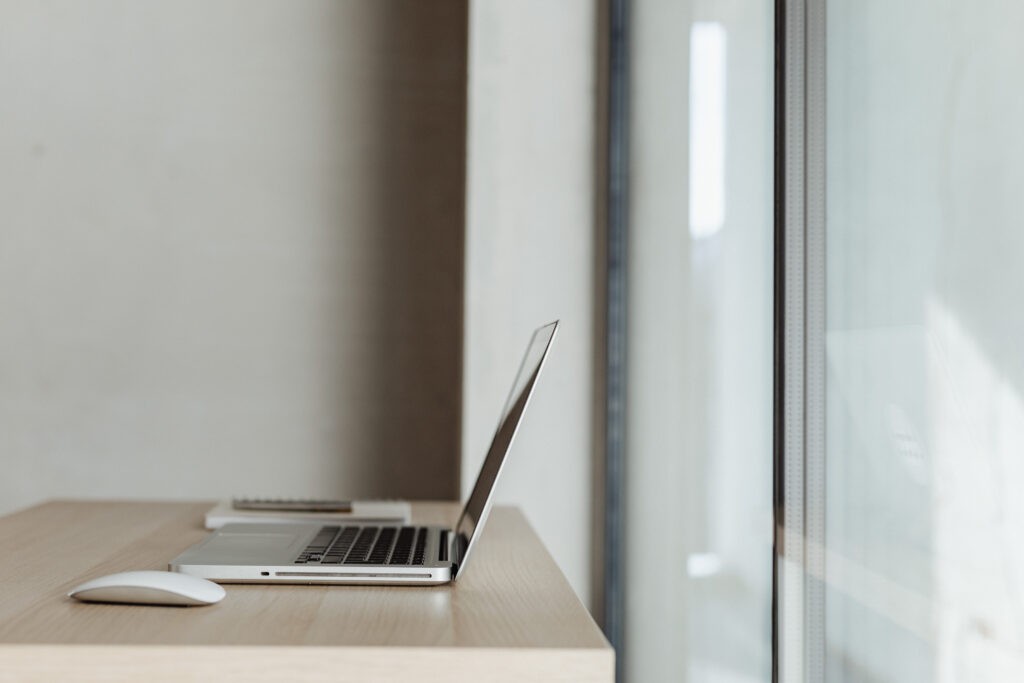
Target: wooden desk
(512, 617)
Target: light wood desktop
(511, 617)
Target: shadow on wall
(413, 343)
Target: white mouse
(150, 588)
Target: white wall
(530, 257)
(230, 247)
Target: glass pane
(699, 458)
(925, 460)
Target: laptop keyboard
(366, 545)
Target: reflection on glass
(707, 128)
(925, 453)
(699, 456)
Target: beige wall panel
(231, 247)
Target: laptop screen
(474, 514)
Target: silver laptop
(369, 554)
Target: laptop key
(318, 545)
(421, 546)
(362, 546)
(403, 546)
(382, 548)
(341, 546)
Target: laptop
(363, 553)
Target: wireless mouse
(149, 588)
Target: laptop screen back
(474, 514)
